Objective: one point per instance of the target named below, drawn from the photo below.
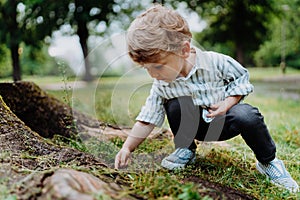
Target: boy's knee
(246, 115)
(172, 107)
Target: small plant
(5, 193)
(189, 192)
(62, 69)
(74, 142)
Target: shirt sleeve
(236, 77)
(153, 111)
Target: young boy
(199, 91)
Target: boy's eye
(158, 67)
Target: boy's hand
(223, 106)
(122, 158)
(217, 109)
(138, 134)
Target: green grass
(118, 101)
(258, 74)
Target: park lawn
(259, 74)
(118, 101)
(232, 165)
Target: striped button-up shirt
(214, 77)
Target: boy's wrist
(126, 149)
(231, 101)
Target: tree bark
(83, 34)
(14, 39)
(158, 1)
(16, 61)
(83, 37)
(240, 54)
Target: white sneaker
(278, 175)
(178, 159)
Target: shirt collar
(202, 60)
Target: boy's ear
(186, 48)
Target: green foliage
(30, 24)
(5, 64)
(74, 142)
(40, 18)
(189, 192)
(36, 61)
(239, 25)
(283, 42)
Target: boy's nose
(152, 73)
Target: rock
(70, 184)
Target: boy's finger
(117, 162)
(124, 160)
(210, 115)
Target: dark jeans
(187, 124)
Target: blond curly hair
(155, 33)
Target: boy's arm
(138, 134)
(236, 78)
(222, 107)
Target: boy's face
(166, 69)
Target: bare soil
(218, 191)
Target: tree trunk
(158, 1)
(83, 35)
(16, 61)
(240, 54)
(14, 39)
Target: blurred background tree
(5, 62)
(29, 24)
(83, 12)
(236, 28)
(283, 41)
(10, 34)
(87, 15)
(28, 21)
(259, 32)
